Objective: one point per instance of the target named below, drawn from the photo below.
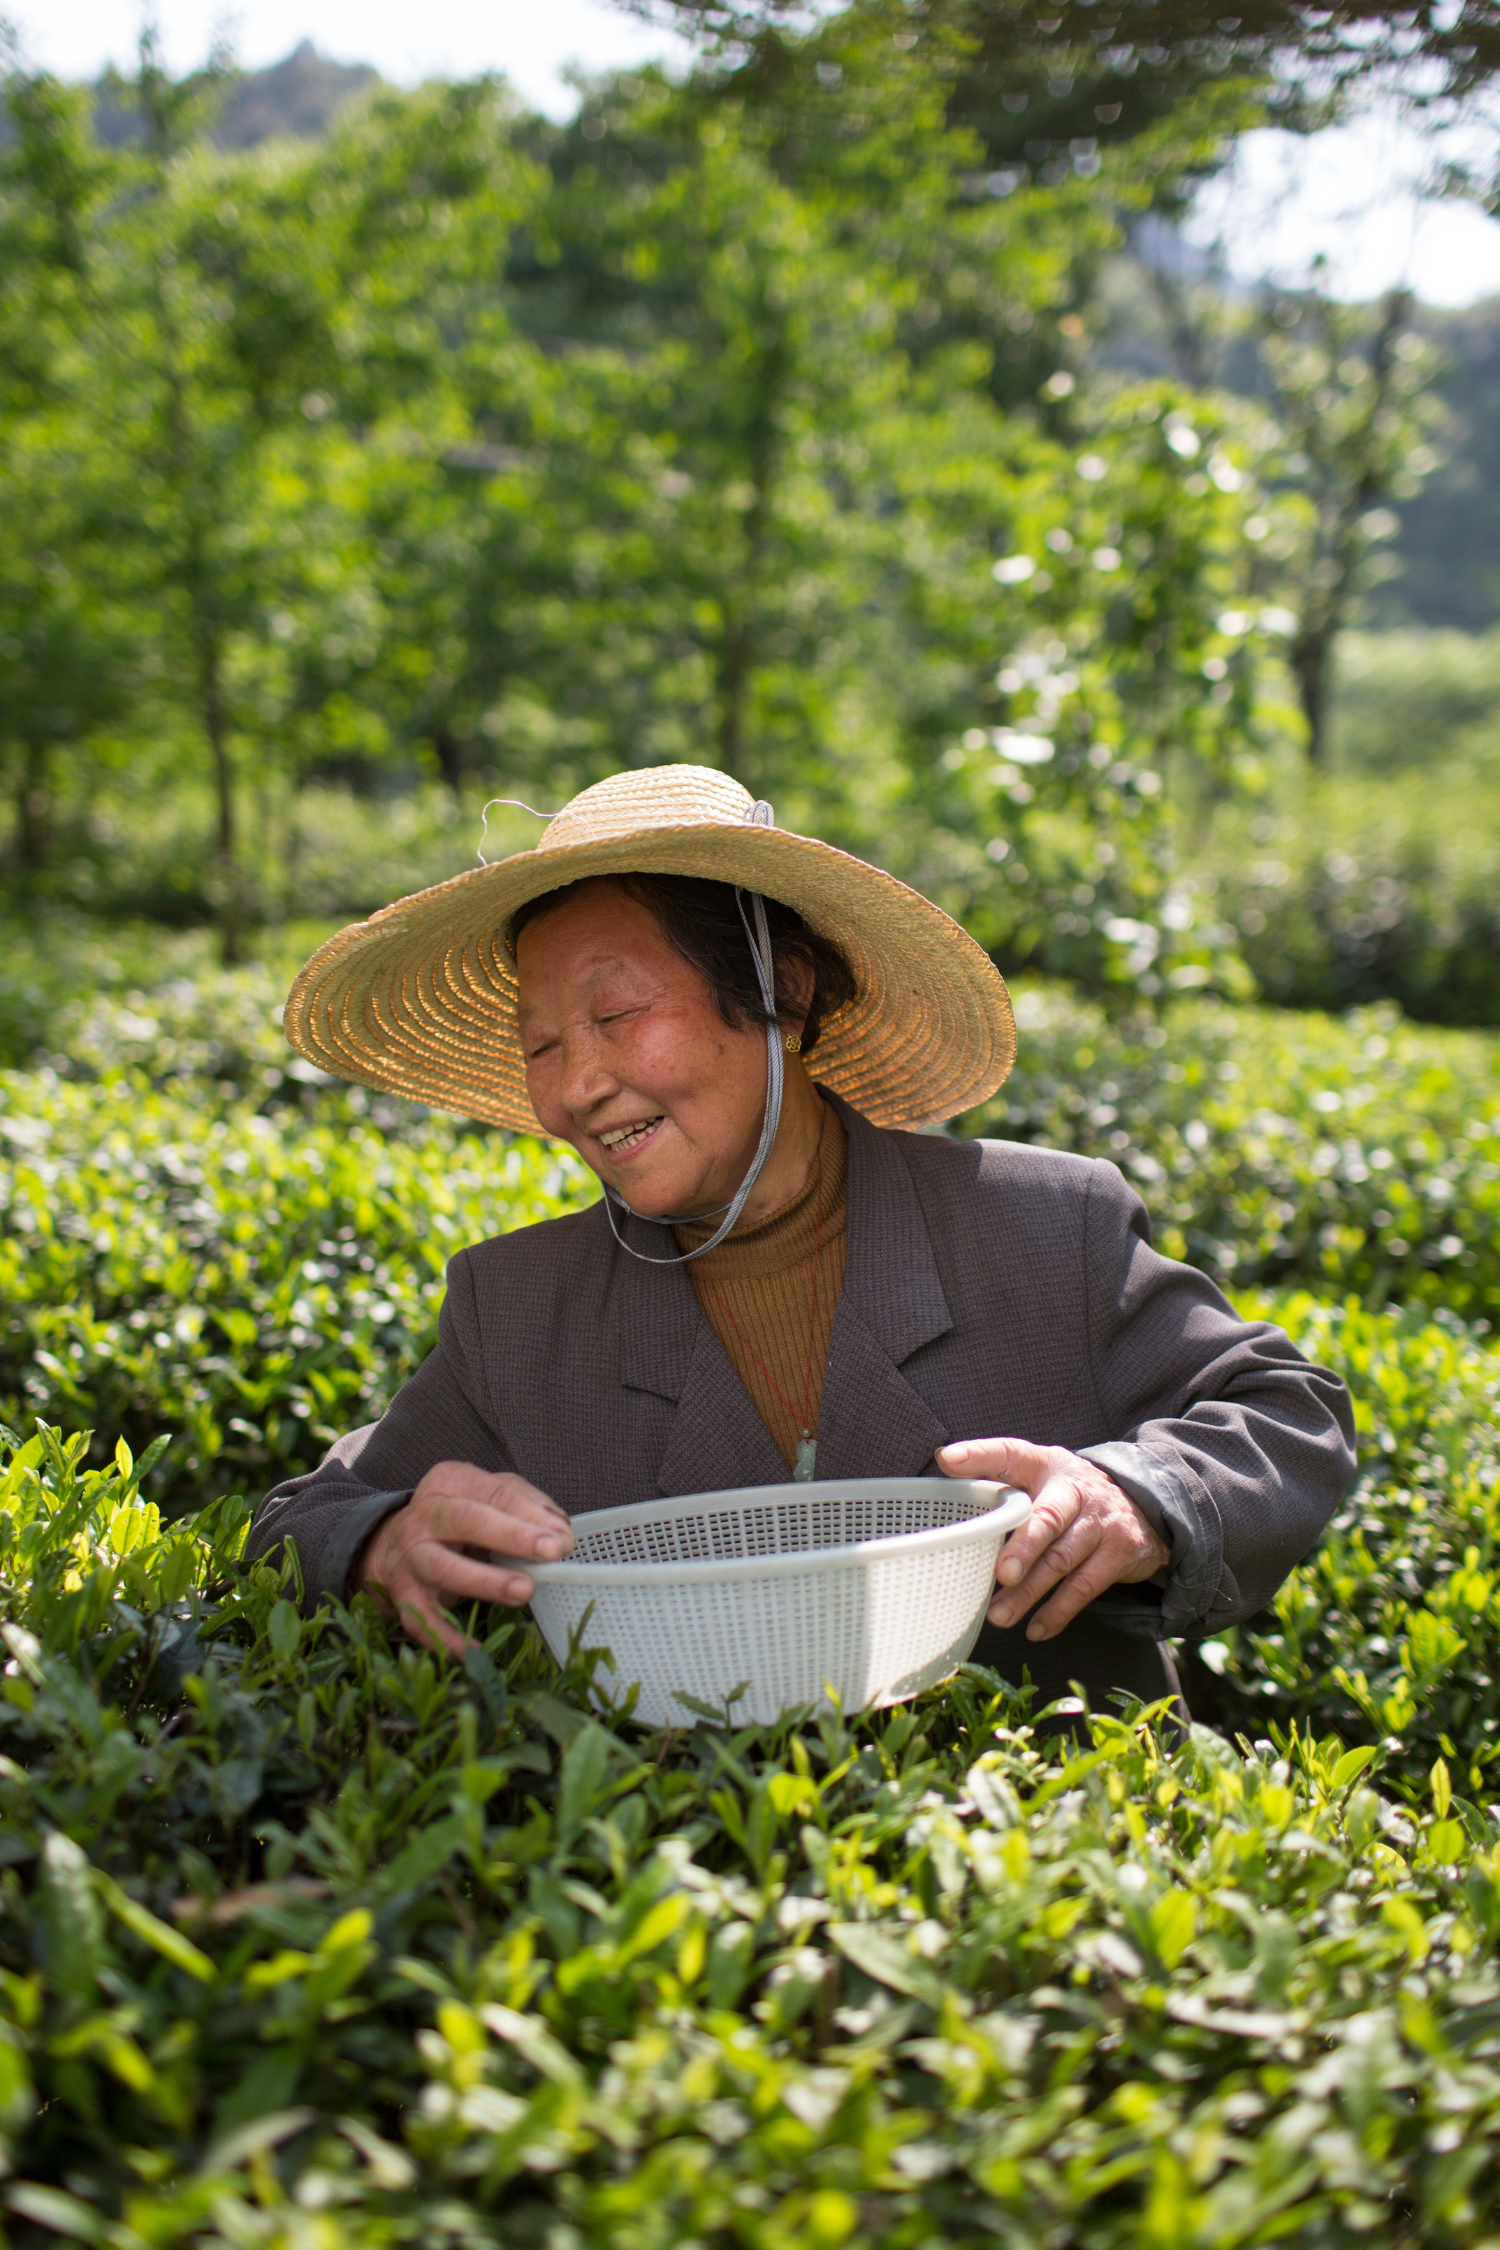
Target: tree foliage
(198, 314)
(751, 420)
(1142, 56)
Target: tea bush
(1385, 889)
(307, 1940)
(1378, 878)
(83, 1000)
(257, 1282)
(1358, 1153)
(1390, 1632)
(199, 1232)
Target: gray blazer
(991, 1289)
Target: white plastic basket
(873, 1587)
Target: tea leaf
(163, 1939)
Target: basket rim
(1010, 1510)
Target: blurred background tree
(1352, 393)
(219, 310)
(832, 414)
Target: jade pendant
(807, 1455)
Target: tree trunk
(230, 901)
(452, 758)
(736, 641)
(1191, 345)
(736, 656)
(163, 113)
(1311, 669)
(1343, 545)
(33, 804)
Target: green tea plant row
(1358, 1154)
(306, 1940)
(256, 1284)
(197, 1234)
(1389, 1632)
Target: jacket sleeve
(439, 1415)
(1235, 1447)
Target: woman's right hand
(416, 1560)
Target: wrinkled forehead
(593, 942)
(597, 914)
(578, 978)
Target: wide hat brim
(421, 1000)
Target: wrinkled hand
(417, 1559)
(1083, 1533)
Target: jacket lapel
(656, 1320)
(871, 1421)
(717, 1439)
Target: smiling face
(629, 1059)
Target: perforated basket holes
(678, 1539)
(733, 1531)
(917, 1603)
(785, 1642)
(783, 1639)
(872, 1629)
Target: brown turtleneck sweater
(757, 1291)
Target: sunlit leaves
(242, 1280)
(465, 1958)
(1357, 1154)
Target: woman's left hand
(1083, 1534)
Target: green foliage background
(197, 1234)
(780, 418)
(774, 419)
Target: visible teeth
(626, 1136)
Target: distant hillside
(296, 98)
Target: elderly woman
(738, 1030)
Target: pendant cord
(759, 939)
(812, 1318)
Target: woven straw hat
(421, 999)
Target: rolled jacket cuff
(1183, 1604)
(354, 1527)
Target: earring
(793, 1043)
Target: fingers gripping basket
(874, 1588)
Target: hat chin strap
(760, 953)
